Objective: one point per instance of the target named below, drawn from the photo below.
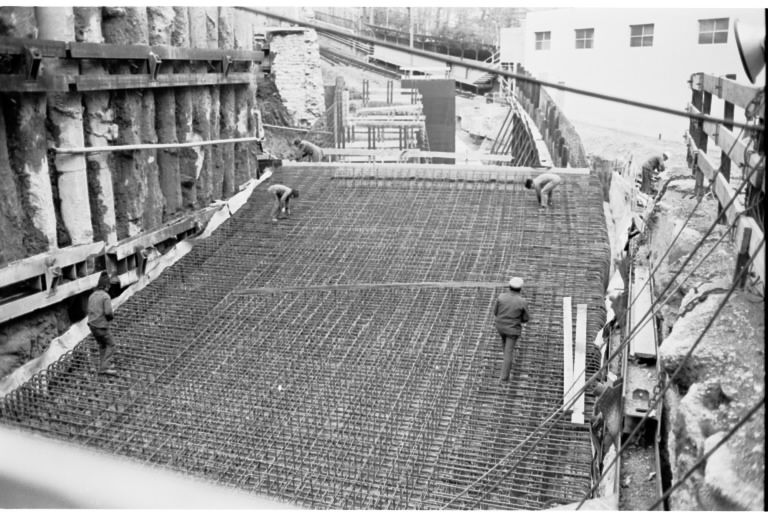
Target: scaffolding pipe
(136, 147)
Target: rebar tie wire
(563, 409)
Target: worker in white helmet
(282, 195)
(544, 185)
(510, 314)
(655, 164)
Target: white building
(646, 55)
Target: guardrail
(736, 152)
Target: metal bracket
(53, 275)
(32, 59)
(719, 87)
(153, 64)
(226, 65)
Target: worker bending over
(308, 150)
(511, 313)
(544, 185)
(282, 195)
(653, 164)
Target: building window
(584, 37)
(713, 31)
(641, 35)
(542, 40)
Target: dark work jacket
(655, 162)
(511, 312)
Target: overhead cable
(508, 74)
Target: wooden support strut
(742, 258)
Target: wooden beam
(391, 108)
(730, 90)
(415, 153)
(144, 240)
(16, 45)
(34, 266)
(567, 351)
(580, 362)
(140, 52)
(361, 121)
(41, 300)
(725, 138)
(113, 82)
(447, 169)
(19, 83)
(724, 192)
(643, 343)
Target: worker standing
(544, 185)
(309, 150)
(282, 195)
(653, 164)
(100, 314)
(511, 312)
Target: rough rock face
(27, 337)
(724, 377)
(296, 68)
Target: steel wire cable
(507, 74)
(563, 409)
(703, 459)
(680, 367)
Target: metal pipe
(136, 147)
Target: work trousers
(545, 196)
(106, 346)
(645, 187)
(508, 342)
(276, 208)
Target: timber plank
(47, 48)
(725, 139)
(580, 362)
(643, 343)
(112, 82)
(34, 266)
(19, 83)
(41, 300)
(567, 350)
(140, 52)
(732, 91)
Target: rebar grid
(385, 398)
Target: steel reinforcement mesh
(351, 398)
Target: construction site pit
(346, 357)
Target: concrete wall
(657, 74)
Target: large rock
(714, 388)
(296, 68)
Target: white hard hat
(516, 283)
(666, 155)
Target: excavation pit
(346, 357)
